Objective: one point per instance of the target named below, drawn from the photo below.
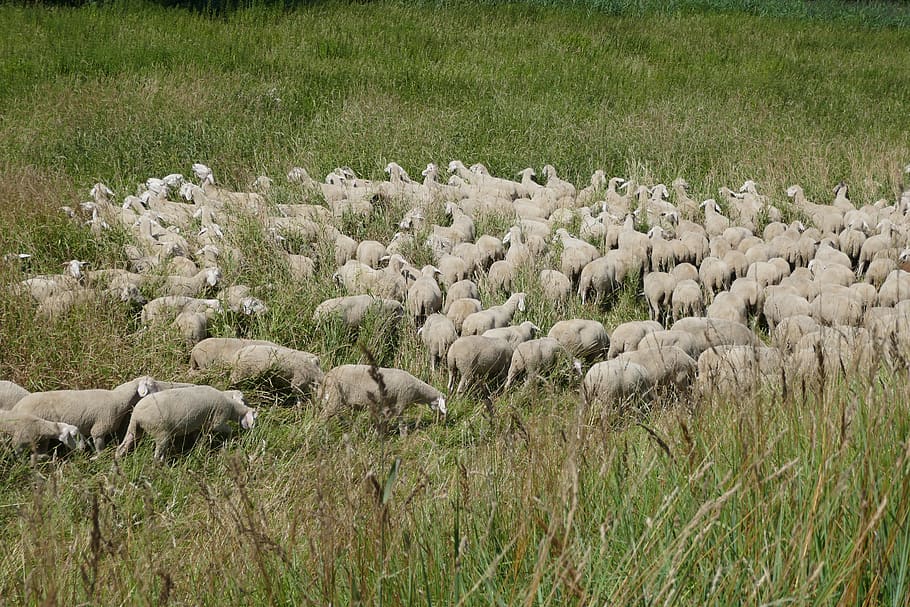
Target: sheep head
(439, 404)
(70, 436)
(793, 190)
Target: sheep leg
(162, 446)
(128, 441)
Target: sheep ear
(249, 420)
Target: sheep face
(249, 419)
(70, 436)
(439, 404)
(147, 385)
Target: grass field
(773, 499)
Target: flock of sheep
(832, 288)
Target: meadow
(771, 499)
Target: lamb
(438, 333)
(172, 414)
(582, 338)
(478, 359)
(391, 391)
(10, 394)
(535, 357)
(611, 383)
(35, 434)
(494, 317)
(515, 334)
(628, 335)
(295, 368)
(461, 309)
(96, 413)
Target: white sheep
(687, 300)
(437, 334)
(627, 336)
(295, 368)
(424, 296)
(391, 391)
(477, 359)
(536, 357)
(668, 366)
(353, 309)
(460, 290)
(96, 413)
(515, 334)
(216, 351)
(10, 394)
(494, 317)
(614, 382)
(170, 415)
(35, 434)
(171, 305)
(658, 292)
(461, 309)
(555, 285)
(582, 338)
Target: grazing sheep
(296, 368)
(515, 334)
(96, 413)
(667, 366)
(207, 278)
(735, 370)
(729, 306)
(628, 335)
(611, 383)
(353, 309)
(791, 330)
(170, 306)
(193, 326)
(370, 252)
(216, 351)
(687, 300)
(500, 276)
(494, 317)
(535, 357)
(666, 338)
(424, 296)
(355, 387)
(10, 394)
(461, 309)
(555, 285)
(582, 338)
(438, 333)
(658, 291)
(463, 289)
(709, 332)
(780, 306)
(603, 276)
(172, 414)
(36, 434)
(477, 359)
(715, 275)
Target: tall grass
(531, 498)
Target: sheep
(170, 415)
(171, 305)
(535, 357)
(709, 332)
(627, 336)
(687, 300)
(10, 394)
(193, 326)
(665, 338)
(729, 306)
(896, 288)
(476, 359)
(58, 305)
(438, 333)
(96, 413)
(737, 369)
(29, 432)
(297, 369)
(424, 296)
(370, 252)
(611, 383)
(582, 338)
(515, 334)
(604, 275)
(715, 275)
(555, 285)
(878, 270)
(500, 276)
(494, 317)
(461, 309)
(791, 330)
(658, 291)
(353, 309)
(779, 307)
(684, 271)
(667, 366)
(460, 290)
(836, 310)
(390, 391)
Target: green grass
(764, 499)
